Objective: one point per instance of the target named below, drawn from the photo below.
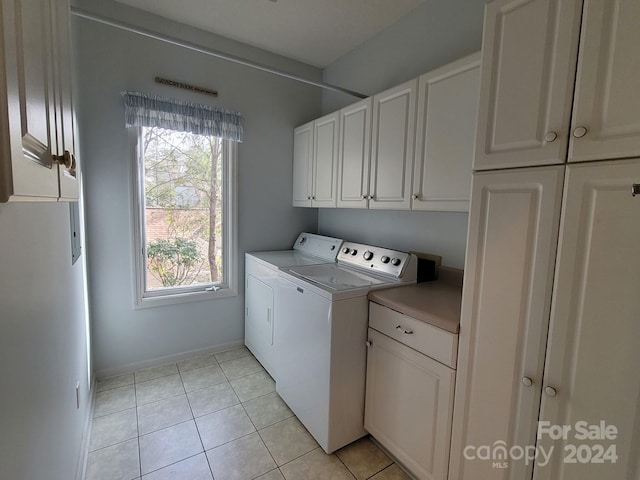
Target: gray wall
(43, 344)
(112, 60)
(434, 34)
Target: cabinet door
(325, 161)
(607, 104)
(28, 171)
(513, 228)
(529, 54)
(259, 321)
(394, 115)
(409, 404)
(594, 335)
(446, 128)
(302, 163)
(354, 155)
(65, 119)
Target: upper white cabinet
(315, 163)
(36, 114)
(529, 51)
(530, 57)
(392, 150)
(354, 155)
(386, 159)
(606, 110)
(445, 140)
(325, 161)
(302, 165)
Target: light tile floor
(213, 417)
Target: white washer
(321, 336)
(261, 270)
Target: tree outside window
(183, 221)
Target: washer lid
(336, 278)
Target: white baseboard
(81, 469)
(132, 367)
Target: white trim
(81, 468)
(132, 367)
(144, 299)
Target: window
(184, 219)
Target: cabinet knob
(635, 189)
(67, 160)
(550, 391)
(308, 198)
(415, 196)
(550, 137)
(527, 381)
(579, 132)
(369, 197)
(368, 344)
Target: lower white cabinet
(550, 338)
(409, 405)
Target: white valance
(144, 110)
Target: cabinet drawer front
(425, 338)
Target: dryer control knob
(367, 255)
(385, 259)
(395, 262)
(346, 250)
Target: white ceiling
(316, 32)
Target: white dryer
(321, 337)
(261, 271)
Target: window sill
(177, 298)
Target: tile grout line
(193, 418)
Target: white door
(394, 116)
(513, 231)
(409, 404)
(302, 164)
(26, 42)
(445, 139)
(606, 115)
(259, 321)
(325, 161)
(594, 334)
(354, 155)
(529, 52)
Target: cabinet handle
(635, 189)
(368, 344)
(527, 381)
(550, 137)
(67, 160)
(404, 330)
(550, 391)
(579, 132)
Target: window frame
(176, 295)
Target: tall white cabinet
(513, 229)
(36, 112)
(549, 330)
